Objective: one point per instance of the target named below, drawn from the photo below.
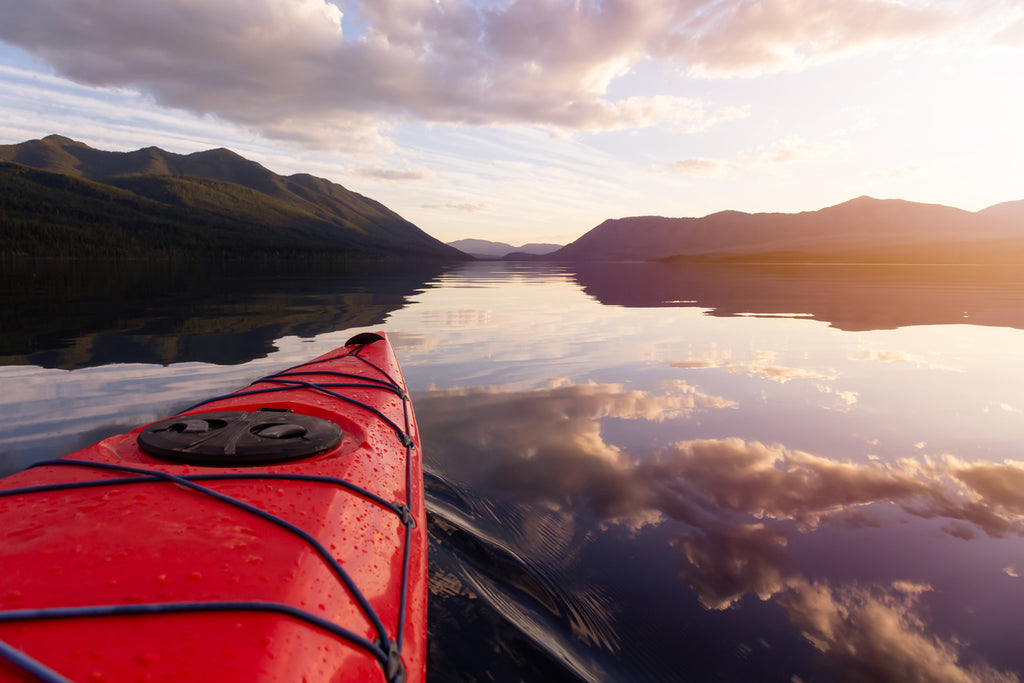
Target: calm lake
(635, 472)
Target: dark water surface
(634, 472)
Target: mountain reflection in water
(82, 314)
(850, 297)
(640, 472)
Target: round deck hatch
(239, 438)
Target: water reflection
(734, 509)
(860, 297)
(642, 491)
(81, 314)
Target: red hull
(147, 578)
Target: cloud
(698, 166)
(786, 151)
(305, 71)
(463, 206)
(394, 174)
(767, 157)
(751, 38)
(1012, 35)
(901, 172)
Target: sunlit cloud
(462, 206)
(902, 172)
(308, 72)
(394, 174)
(698, 166)
(112, 117)
(1012, 35)
(786, 151)
(753, 38)
(766, 157)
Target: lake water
(634, 471)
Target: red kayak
(274, 534)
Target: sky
(535, 120)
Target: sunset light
(534, 120)
(430, 341)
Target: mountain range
(487, 249)
(60, 197)
(860, 230)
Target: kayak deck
(210, 562)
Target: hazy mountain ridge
(236, 204)
(860, 229)
(491, 249)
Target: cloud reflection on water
(550, 440)
(546, 444)
(756, 368)
(736, 506)
(877, 634)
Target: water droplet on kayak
(195, 576)
(146, 658)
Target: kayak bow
(277, 533)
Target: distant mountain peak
(491, 249)
(61, 140)
(222, 153)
